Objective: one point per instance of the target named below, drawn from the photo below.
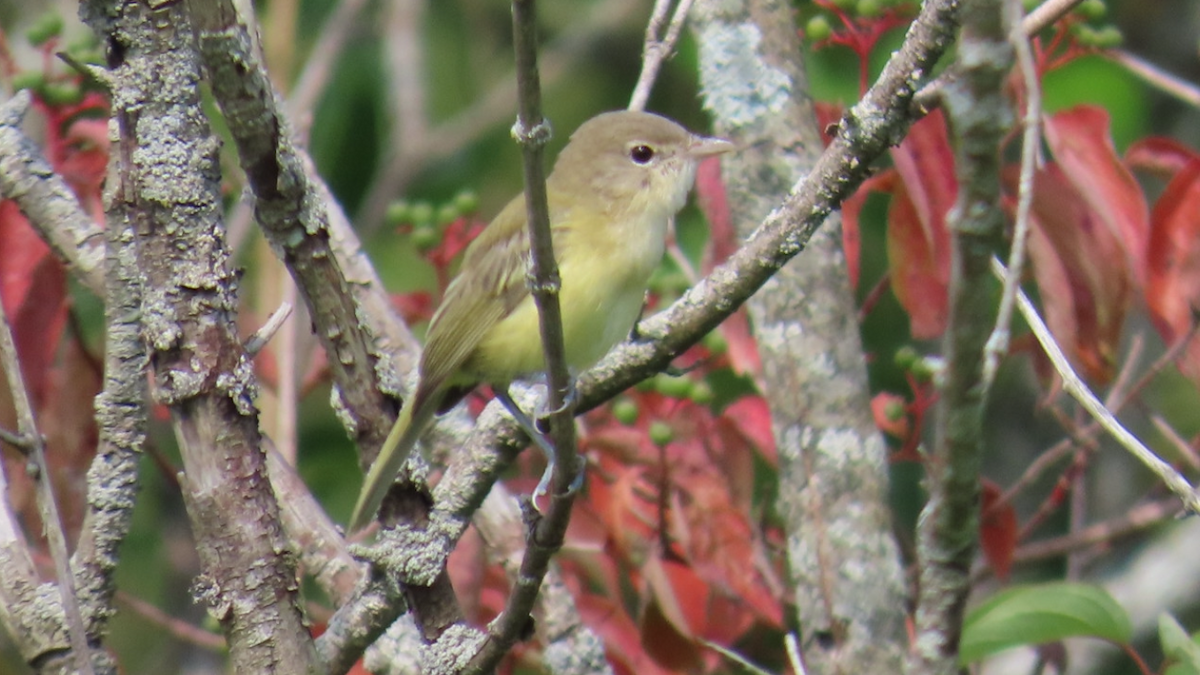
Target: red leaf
(622, 639)
(1082, 146)
(714, 203)
(723, 241)
(851, 212)
(674, 615)
(1173, 264)
(1085, 288)
(741, 347)
(997, 530)
(890, 414)
(750, 418)
(413, 307)
(919, 279)
(1159, 155)
(851, 227)
(718, 540)
(918, 241)
(33, 288)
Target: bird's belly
(598, 311)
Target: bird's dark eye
(641, 154)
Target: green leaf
(1031, 615)
(1178, 647)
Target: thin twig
(47, 508)
(546, 535)
(1075, 386)
(16, 440)
(263, 335)
(1186, 451)
(177, 627)
(1047, 13)
(1157, 77)
(1133, 520)
(745, 663)
(997, 344)
(655, 51)
(406, 90)
(488, 110)
(1117, 397)
(792, 645)
(321, 60)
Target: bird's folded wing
(489, 285)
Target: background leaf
(1036, 614)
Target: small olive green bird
(614, 189)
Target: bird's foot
(539, 439)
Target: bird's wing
(490, 284)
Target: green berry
(425, 237)
(673, 387)
(818, 28)
(29, 79)
(906, 358)
(446, 214)
(61, 93)
(421, 213)
(894, 411)
(660, 433)
(626, 411)
(398, 213)
(466, 201)
(1109, 37)
(868, 8)
(701, 393)
(1085, 35)
(1092, 10)
(715, 343)
(47, 26)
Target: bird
(615, 186)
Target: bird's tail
(395, 451)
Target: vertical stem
(979, 115)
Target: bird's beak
(700, 147)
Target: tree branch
(833, 461)
(46, 199)
(546, 533)
(949, 525)
(165, 181)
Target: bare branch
(547, 533)
(46, 199)
(997, 344)
(1076, 387)
(165, 180)
(833, 490)
(948, 528)
(657, 48)
(10, 363)
(263, 335)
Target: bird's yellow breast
(604, 272)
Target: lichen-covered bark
(843, 563)
(166, 185)
(949, 526)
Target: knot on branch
(536, 136)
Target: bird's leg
(634, 334)
(539, 439)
